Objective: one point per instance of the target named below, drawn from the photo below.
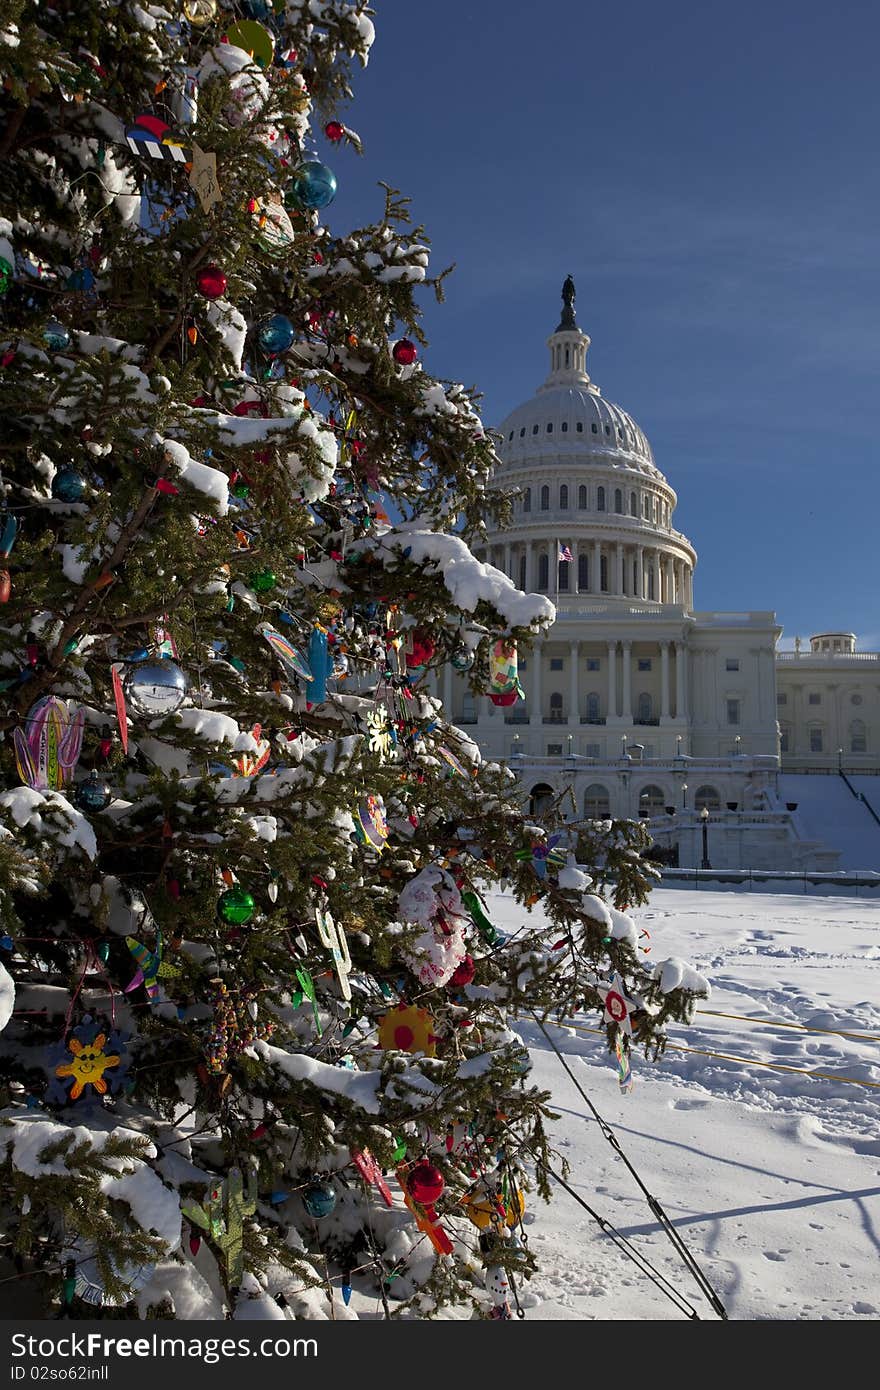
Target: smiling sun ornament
(88, 1054)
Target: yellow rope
(801, 1027)
(749, 1061)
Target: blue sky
(708, 173)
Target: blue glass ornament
(6, 943)
(319, 1199)
(68, 485)
(319, 665)
(56, 336)
(314, 185)
(278, 1197)
(276, 334)
(93, 794)
(82, 279)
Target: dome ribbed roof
(575, 420)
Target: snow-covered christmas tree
(256, 1051)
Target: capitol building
(638, 703)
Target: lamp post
(678, 745)
(736, 743)
(623, 745)
(704, 822)
(684, 796)
(840, 761)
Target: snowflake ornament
(379, 738)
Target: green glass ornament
(236, 906)
(6, 272)
(400, 1151)
(104, 951)
(263, 581)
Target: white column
(612, 680)
(670, 582)
(680, 680)
(626, 710)
(596, 576)
(573, 681)
(507, 550)
(530, 566)
(573, 569)
(640, 572)
(618, 569)
(664, 680)
(536, 657)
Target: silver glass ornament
(155, 688)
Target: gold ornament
(200, 12)
(484, 1212)
(406, 1029)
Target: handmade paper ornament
(464, 973)
(92, 1058)
(504, 686)
(121, 713)
(68, 485)
(624, 1070)
(477, 913)
(254, 39)
(332, 935)
(407, 1029)
(248, 764)
(379, 739)
(155, 688)
(292, 661)
(150, 966)
(203, 180)
(151, 137)
(275, 232)
(618, 1007)
(419, 648)
(432, 901)
(47, 749)
(313, 185)
(222, 1214)
(449, 757)
(497, 1283)
(486, 1207)
(544, 855)
(307, 991)
(319, 1199)
(370, 1171)
(236, 906)
(320, 665)
(371, 827)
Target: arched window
(563, 498)
(540, 799)
(583, 573)
(618, 500)
(708, 797)
(633, 504)
(543, 572)
(545, 498)
(593, 715)
(600, 499)
(564, 568)
(597, 805)
(556, 713)
(817, 742)
(646, 507)
(603, 574)
(527, 500)
(652, 800)
(582, 497)
(645, 708)
(858, 739)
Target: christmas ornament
(426, 1183)
(151, 136)
(275, 334)
(426, 1218)
(370, 1171)
(418, 649)
(249, 764)
(405, 352)
(333, 937)
(81, 280)
(150, 966)
(624, 1070)
(432, 901)
(319, 1199)
(371, 827)
(314, 185)
(200, 12)
(450, 758)
(6, 274)
(307, 991)
(93, 794)
(463, 973)
(87, 1279)
(497, 1283)
(617, 1005)
(203, 180)
(155, 688)
(263, 581)
(320, 664)
(289, 657)
(486, 1207)
(478, 916)
(462, 659)
(68, 485)
(82, 1060)
(407, 1029)
(211, 281)
(379, 738)
(236, 906)
(334, 132)
(46, 752)
(274, 229)
(254, 39)
(56, 336)
(545, 854)
(121, 715)
(222, 1215)
(504, 686)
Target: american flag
(564, 553)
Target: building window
(564, 427)
(593, 663)
(556, 713)
(562, 577)
(644, 709)
(563, 498)
(633, 505)
(583, 572)
(733, 711)
(603, 574)
(527, 500)
(784, 735)
(468, 708)
(592, 750)
(541, 797)
(510, 436)
(708, 797)
(814, 698)
(550, 428)
(543, 572)
(608, 430)
(600, 499)
(781, 698)
(644, 663)
(522, 574)
(618, 500)
(597, 805)
(593, 708)
(815, 740)
(646, 508)
(522, 432)
(545, 499)
(582, 497)
(858, 741)
(580, 426)
(554, 750)
(534, 429)
(595, 428)
(732, 663)
(855, 699)
(557, 663)
(652, 800)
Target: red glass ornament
(425, 1183)
(5, 586)
(211, 281)
(334, 131)
(464, 973)
(194, 1243)
(405, 352)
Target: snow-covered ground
(771, 1177)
